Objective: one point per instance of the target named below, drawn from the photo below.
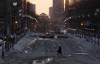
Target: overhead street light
(14, 3)
(16, 22)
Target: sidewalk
(94, 49)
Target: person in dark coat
(59, 51)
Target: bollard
(3, 45)
(2, 52)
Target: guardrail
(94, 38)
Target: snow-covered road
(43, 51)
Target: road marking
(32, 42)
(81, 53)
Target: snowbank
(22, 43)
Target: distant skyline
(42, 6)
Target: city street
(44, 51)
(49, 31)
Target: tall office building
(51, 12)
(74, 1)
(58, 8)
(31, 8)
(3, 8)
(67, 7)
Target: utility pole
(8, 24)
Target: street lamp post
(98, 34)
(15, 4)
(91, 35)
(15, 39)
(8, 24)
(8, 17)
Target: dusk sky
(42, 6)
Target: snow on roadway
(45, 61)
(27, 40)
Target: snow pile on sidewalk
(86, 45)
(22, 43)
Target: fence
(90, 35)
